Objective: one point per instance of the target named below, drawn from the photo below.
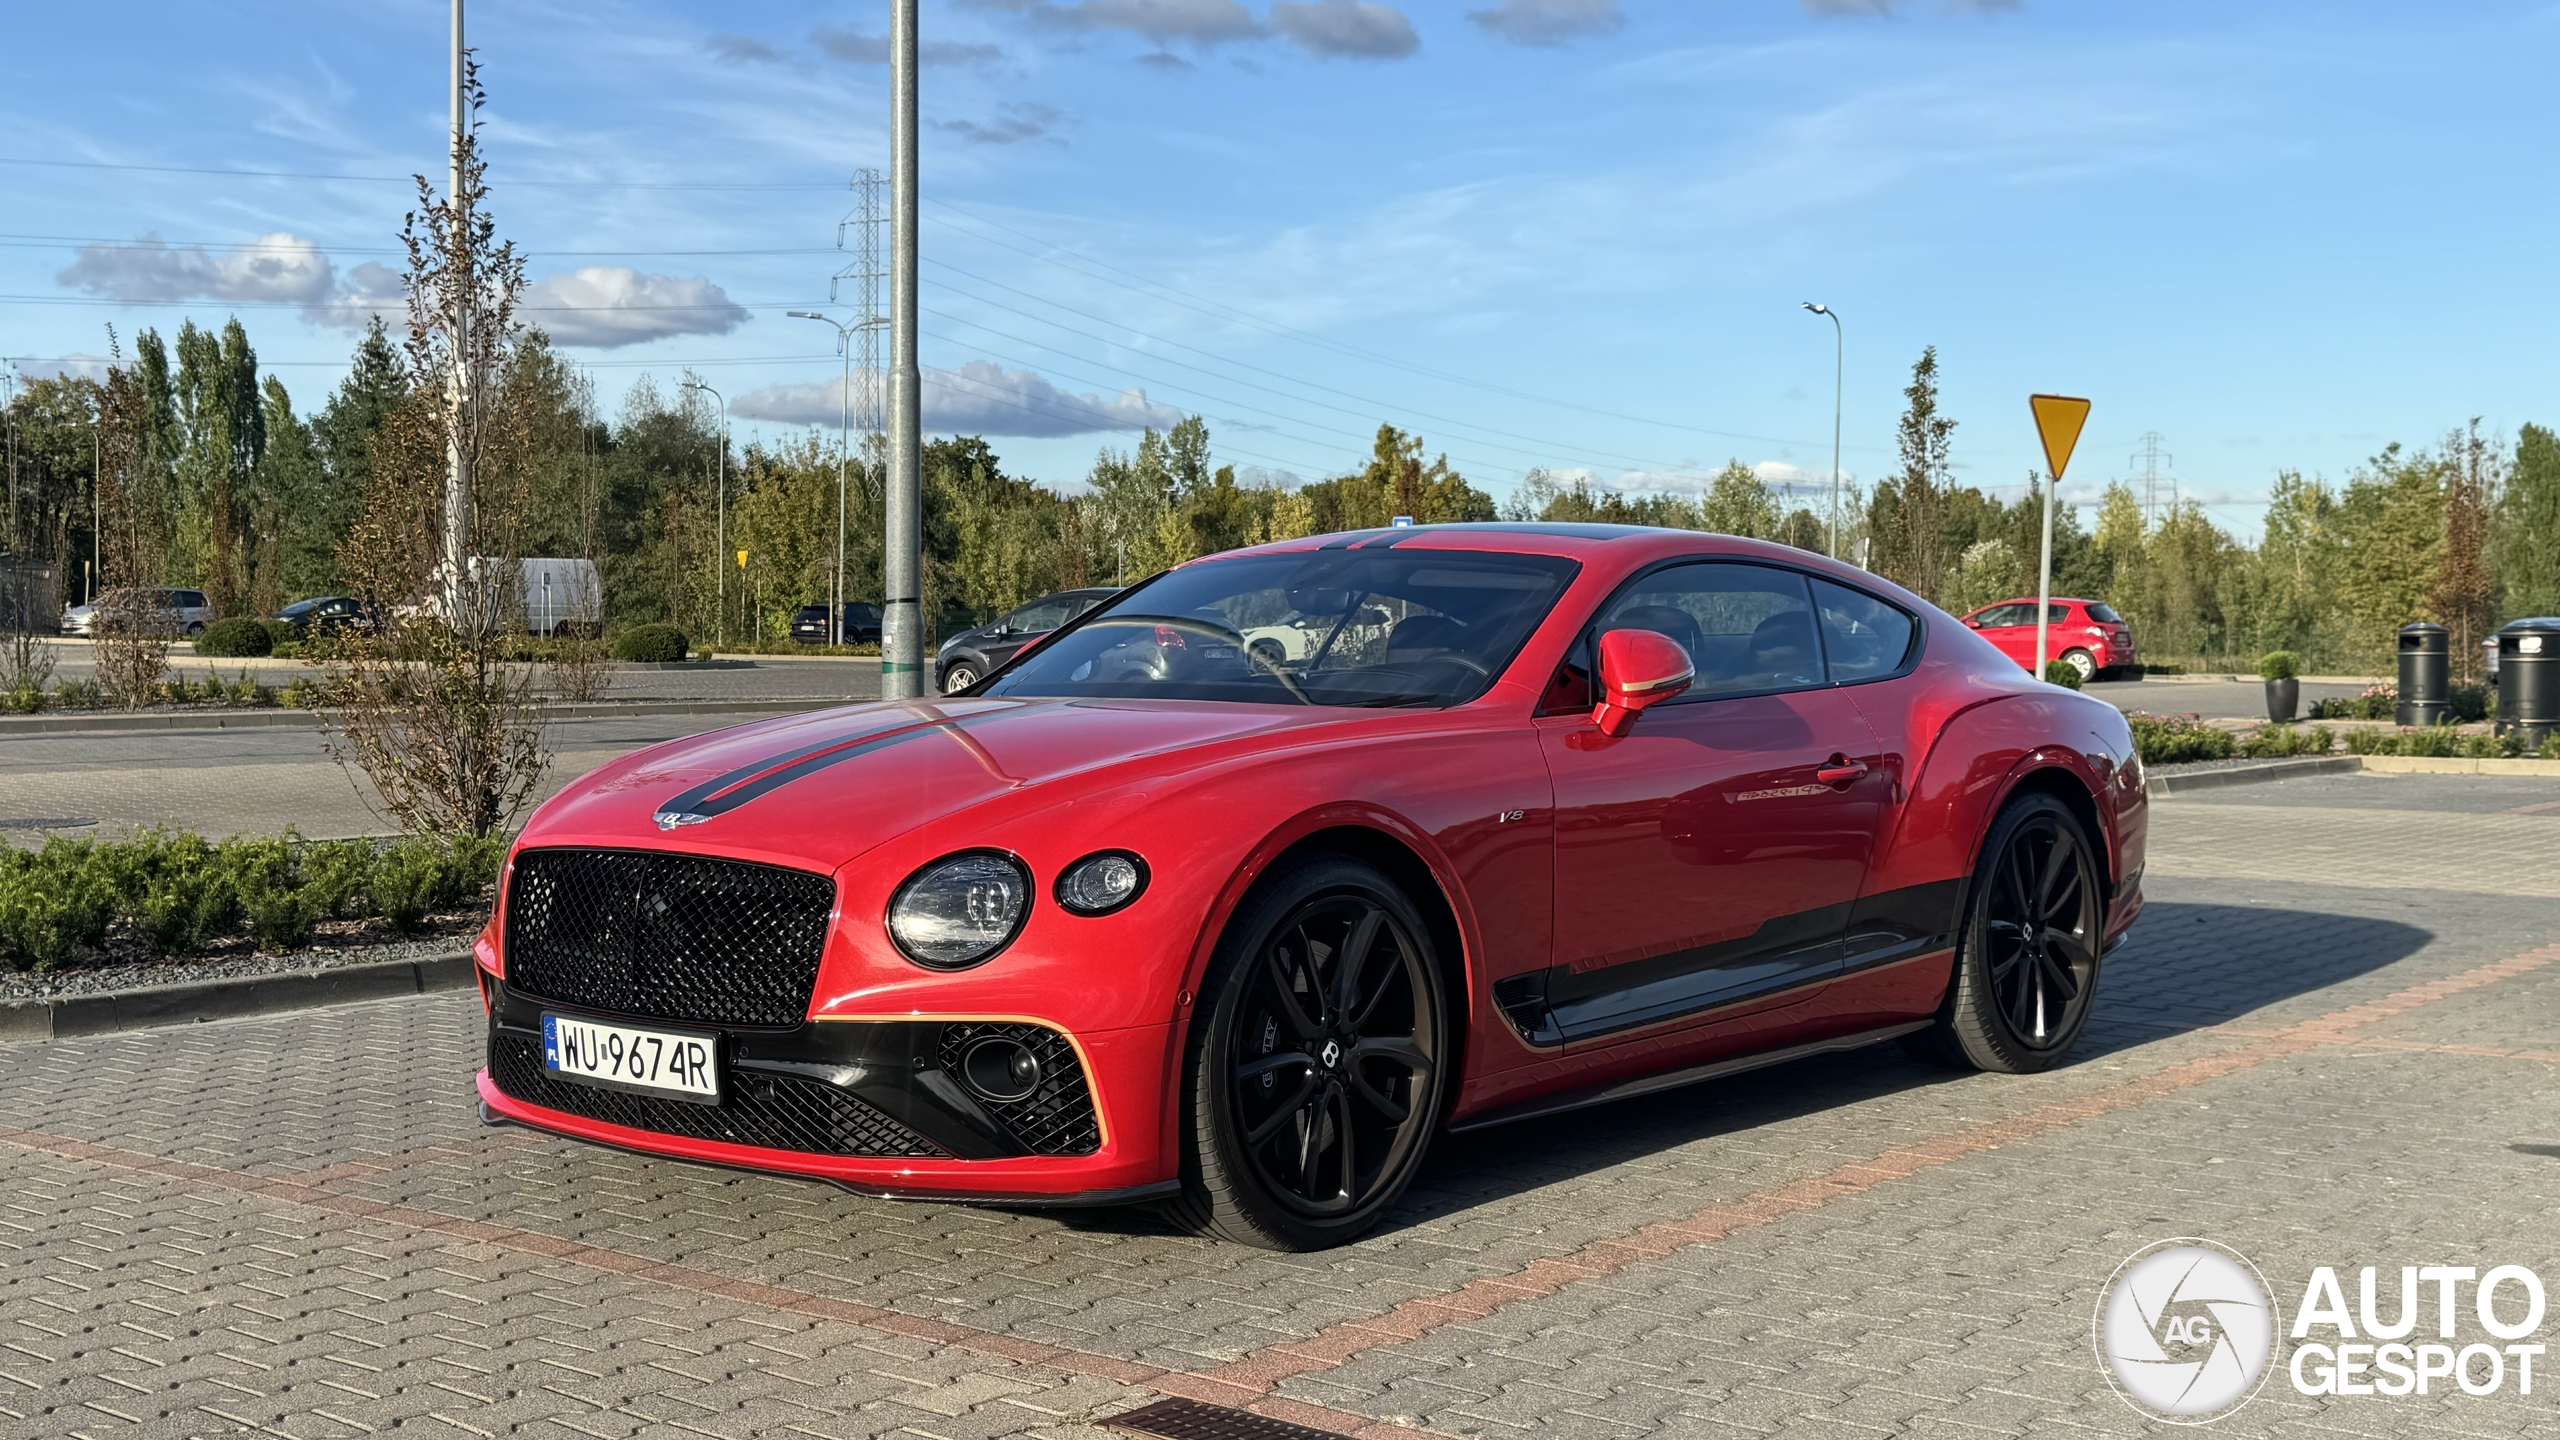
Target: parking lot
(2330, 1042)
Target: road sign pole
(2058, 422)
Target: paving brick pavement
(351, 1213)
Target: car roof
(1570, 539)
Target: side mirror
(1973, 622)
(1639, 669)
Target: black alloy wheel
(1318, 1060)
(2027, 964)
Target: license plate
(625, 1057)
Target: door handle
(1840, 771)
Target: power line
(1189, 301)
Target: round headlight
(1100, 884)
(960, 909)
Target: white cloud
(1196, 22)
(604, 306)
(276, 267)
(1353, 28)
(1549, 22)
(742, 48)
(856, 48)
(1888, 7)
(1016, 124)
(979, 398)
(1357, 28)
(76, 366)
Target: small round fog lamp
(1100, 884)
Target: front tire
(1315, 1062)
(2026, 967)
(958, 678)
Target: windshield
(1335, 627)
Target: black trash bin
(2529, 680)
(2426, 674)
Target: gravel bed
(443, 936)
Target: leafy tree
(1738, 502)
(2465, 596)
(342, 440)
(1906, 517)
(2528, 527)
(304, 510)
(2390, 527)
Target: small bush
(2176, 739)
(2060, 672)
(235, 637)
(280, 633)
(182, 895)
(2471, 702)
(2550, 747)
(650, 645)
(77, 695)
(2269, 742)
(2279, 665)
(2377, 702)
(2437, 741)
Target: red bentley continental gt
(1537, 816)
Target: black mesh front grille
(772, 1112)
(1057, 1118)
(670, 937)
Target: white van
(563, 597)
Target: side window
(1747, 628)
(1038, 618)
(1999, 616)
(1865, 637)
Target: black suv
(970, 656)
(861, 624)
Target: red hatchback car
(2084, 634)
(1549, 815)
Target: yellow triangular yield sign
(2058, 420)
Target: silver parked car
(164, 609)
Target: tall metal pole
(1839, 372)
(902, 628)
(844, 442)
(457, 480)
(97, 504)
(2044, 577)
(720, 531)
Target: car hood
(817, 790)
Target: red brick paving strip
(1338, 1344)
(1248, 1382)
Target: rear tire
(1315, 1061)
(2026, 970)
(2082, 661)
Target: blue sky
(1570, 233)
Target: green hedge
(180, 893)
(2062, 673)
(650, 644)
(236, 637)
(2174, 739)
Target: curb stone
(2173, 783)
(2458, 765)
(192, 1003)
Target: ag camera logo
(2186, 1331)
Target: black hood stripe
(752, 781)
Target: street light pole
(720, 535)
(844, 444)
(1839, 371)
(902, 638)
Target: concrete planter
(2284, 699)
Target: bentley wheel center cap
(1331, 1054)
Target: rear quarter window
(2104, 615)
